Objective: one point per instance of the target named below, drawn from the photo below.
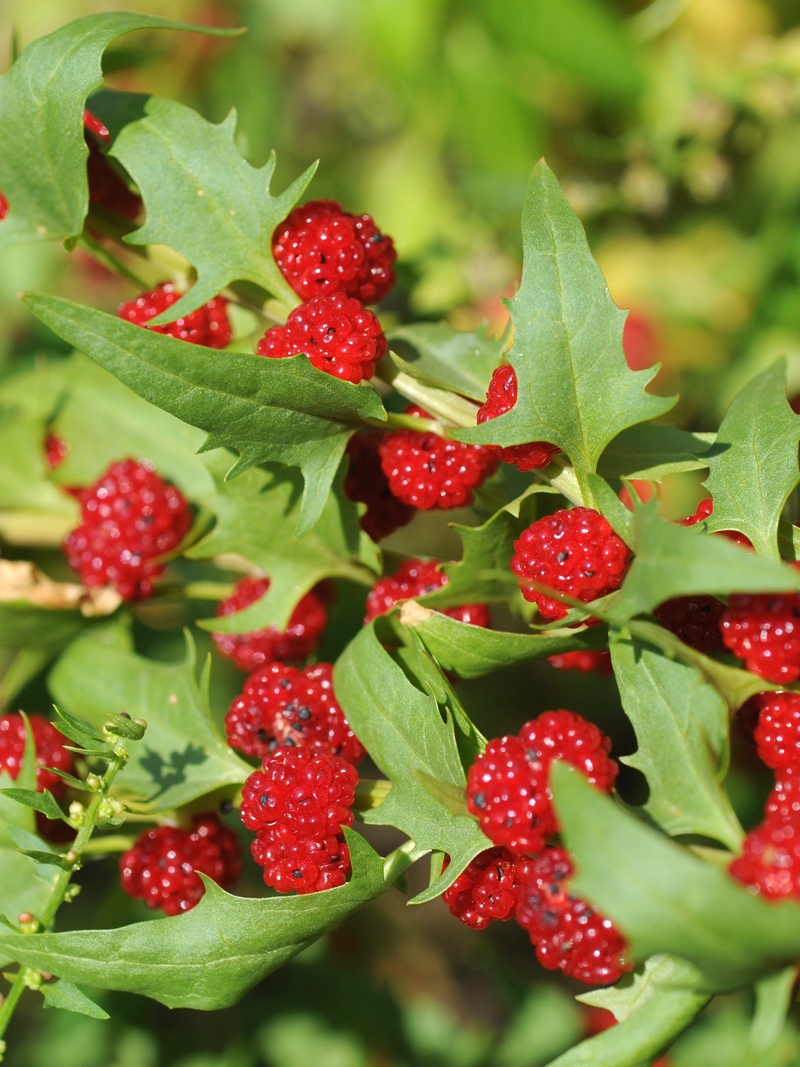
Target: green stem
(105, 256)
(205, 590)
(9, 1004)
(447, 407)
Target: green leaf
(470, 651)
(256, 517)
(24, 481)
(44, 802)
(205, 201)
(280, 410)
(43, 162)
(209, 957)
(181, 757)
(653, 451)
(405, 732)
(665, 899)
(575, 388)
(652, 1006)
(675, 561)
(27, 625)
(438, 355)
(774, 996)
(65, 995)
(681, 725)
(754, 461)
(46, 859)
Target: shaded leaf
(653, 451)
(438, 355)
(65, 995)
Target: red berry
(640, 341)
(486, 890)
(3, 207)
(783, 803)
(508, 786)
(704, 510)
(764, 630)
(93, 124)
(777, 734)
(130, 518)
(162, 867)
(695, 620)
(106, 186)
(568, 934)
(298, 804)
(338, 334)
(251, 650)
(283, 706)
(501, 397)
(575, 552)
(770, 861)
(417, 577)
(586, 662)
(50, 751)
(55, 450)
(321, 249)
(428, 471)
(207, 326)
(367, 484)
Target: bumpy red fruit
(427, 471)
(337, 333)
(284, 706)
(162, 867)
(417, 577)
(55, 450)
(770, 861)
(764, 631)
(252, 650)
(486, 890)
(695, 620)
(208, 325)
(783, 804)
(567, 933)
(50, 750)
(586, 662)
(777, 734)
(508, 786)
(704, 510)
(3, 207)
(501, 398)
(129, 518)
(322, 249)
(367, 484)
(575, 552)
(106, 187)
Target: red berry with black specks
(427, 471)
(55, 450)
(508, 786)
(322, 249)
(304, 866)
(367, 484)
(283, 706)
(501, 398)
(337, 333)
(575, 552)
(695, 620)
(252, 650)
(162, 867)
(486, 890)
(208, 325)
(763, 629)
(415, 578)
(568, 934)
(587, 662)
(777, 734)
(50, 751)
(130, 518)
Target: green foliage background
(673, 129)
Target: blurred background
(674, 128)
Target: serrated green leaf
(681, 726)
(470, 651)
(664, 898)
(205, 201)
(256, 516)
(209, 957)
(43, 162)
(575, 388)
(44, 802)
(404, 731)
(65, 995)
(279, 410)
(46, 859)
(181, 756)
(436, 354)
(675, 561)
(754, 461)
(653, 451)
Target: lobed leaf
(653, 450)
(457, 360)
(65, 995)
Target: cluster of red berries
(164, 866)
(414, 578)
(367, 484)
(50, 751)
(297, 804)
(130, 519)
(208, 325)
(508, 791)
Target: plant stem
(10, 1003)
(105, 256)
